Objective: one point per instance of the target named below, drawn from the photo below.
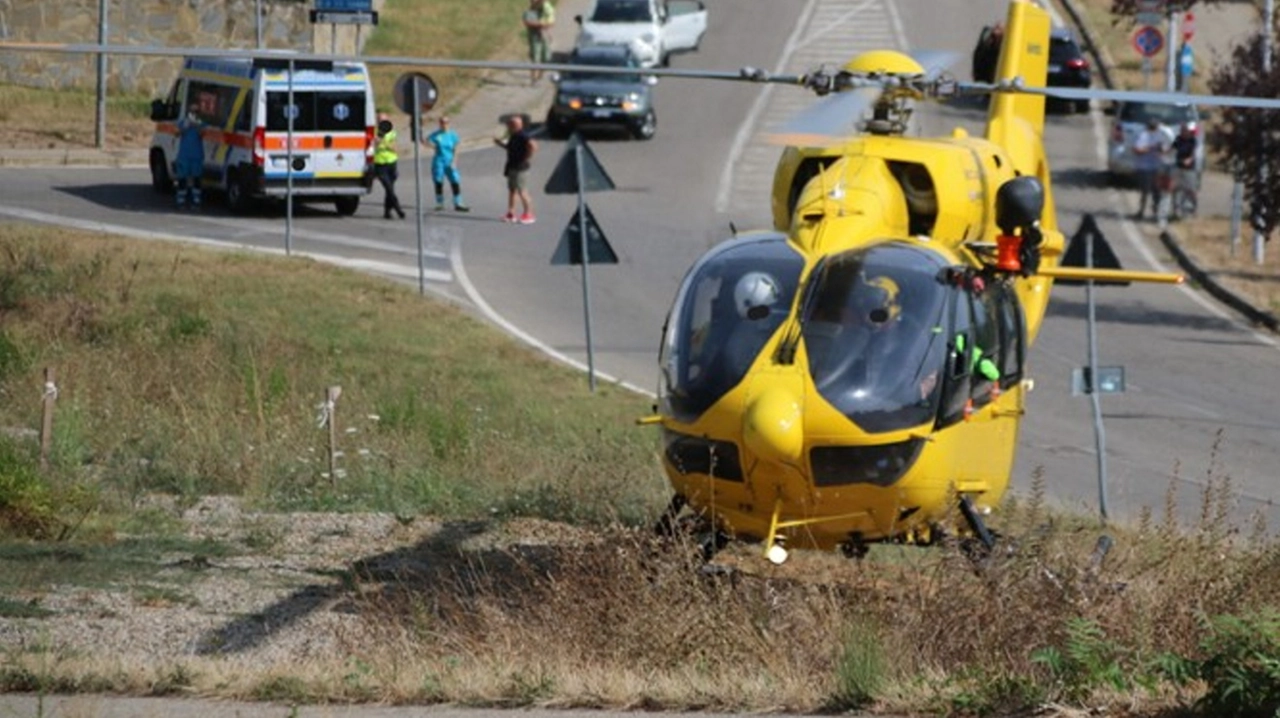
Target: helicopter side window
(1012, 339)
(986, 351)
(955, 388)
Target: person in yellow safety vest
(384, 166)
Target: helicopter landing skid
(976, 524)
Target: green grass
(191, 373)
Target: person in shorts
(521, 148)
(538, 20)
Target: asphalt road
(1199, 386)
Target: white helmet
(755, 294)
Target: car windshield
(602, 60)
(1171, 115)
(621, 11)
(1062, 50)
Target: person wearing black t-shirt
(520, 149)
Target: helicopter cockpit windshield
(730, 304)
(874, 329)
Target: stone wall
(169, 23)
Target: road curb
(1170, 240)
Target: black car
(593, 99)
(1068, 67)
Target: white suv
(1129, 120)
(653, 29)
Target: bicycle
(1179, 193)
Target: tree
(1248, 138)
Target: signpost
(343, 12)
(579, 172)
(415, 93)
(1147, 40)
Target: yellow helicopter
(858, 374)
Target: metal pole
(1099, 432)
(1171, 55)
(1268, 20)
(1237, 209)
(288, 158)
(586, 262)
(100, 130)
(415, 134)
(257, 14)
(333, 38)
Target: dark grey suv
(588, 99)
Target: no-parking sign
(1148, 41)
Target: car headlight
(574, 103)
(648, 38)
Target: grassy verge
(477, 29)
(474, 30)
(184, 373)
(191, 373)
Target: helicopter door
(685, 23)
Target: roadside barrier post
(46, 420)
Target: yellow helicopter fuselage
(828, 428)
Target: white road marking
(460, 272)
(748, 126)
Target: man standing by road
(189, 164)
(538, 20)
(520, 149)
(1149, 149)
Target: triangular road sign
(570, 249)
(564, 180)
(1103, 256)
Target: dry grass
(472, 30)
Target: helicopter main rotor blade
(828, 120)
(1079, 93)
(935, 62)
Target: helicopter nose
(772, 426)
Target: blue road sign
(1148, 40)
(344, 6)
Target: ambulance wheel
(160, 180)
(346, 205)
(239, 199)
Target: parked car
(653, 29)
(1068, 66)
(1128, 121)
(585, 99)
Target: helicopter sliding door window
(956, 382)
(1012, 334)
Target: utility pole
(1170, 50)
(100, 128)
(257, 13)
(1259, 235)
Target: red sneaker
(509, 217)
(528, 218)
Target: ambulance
(245, 105)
